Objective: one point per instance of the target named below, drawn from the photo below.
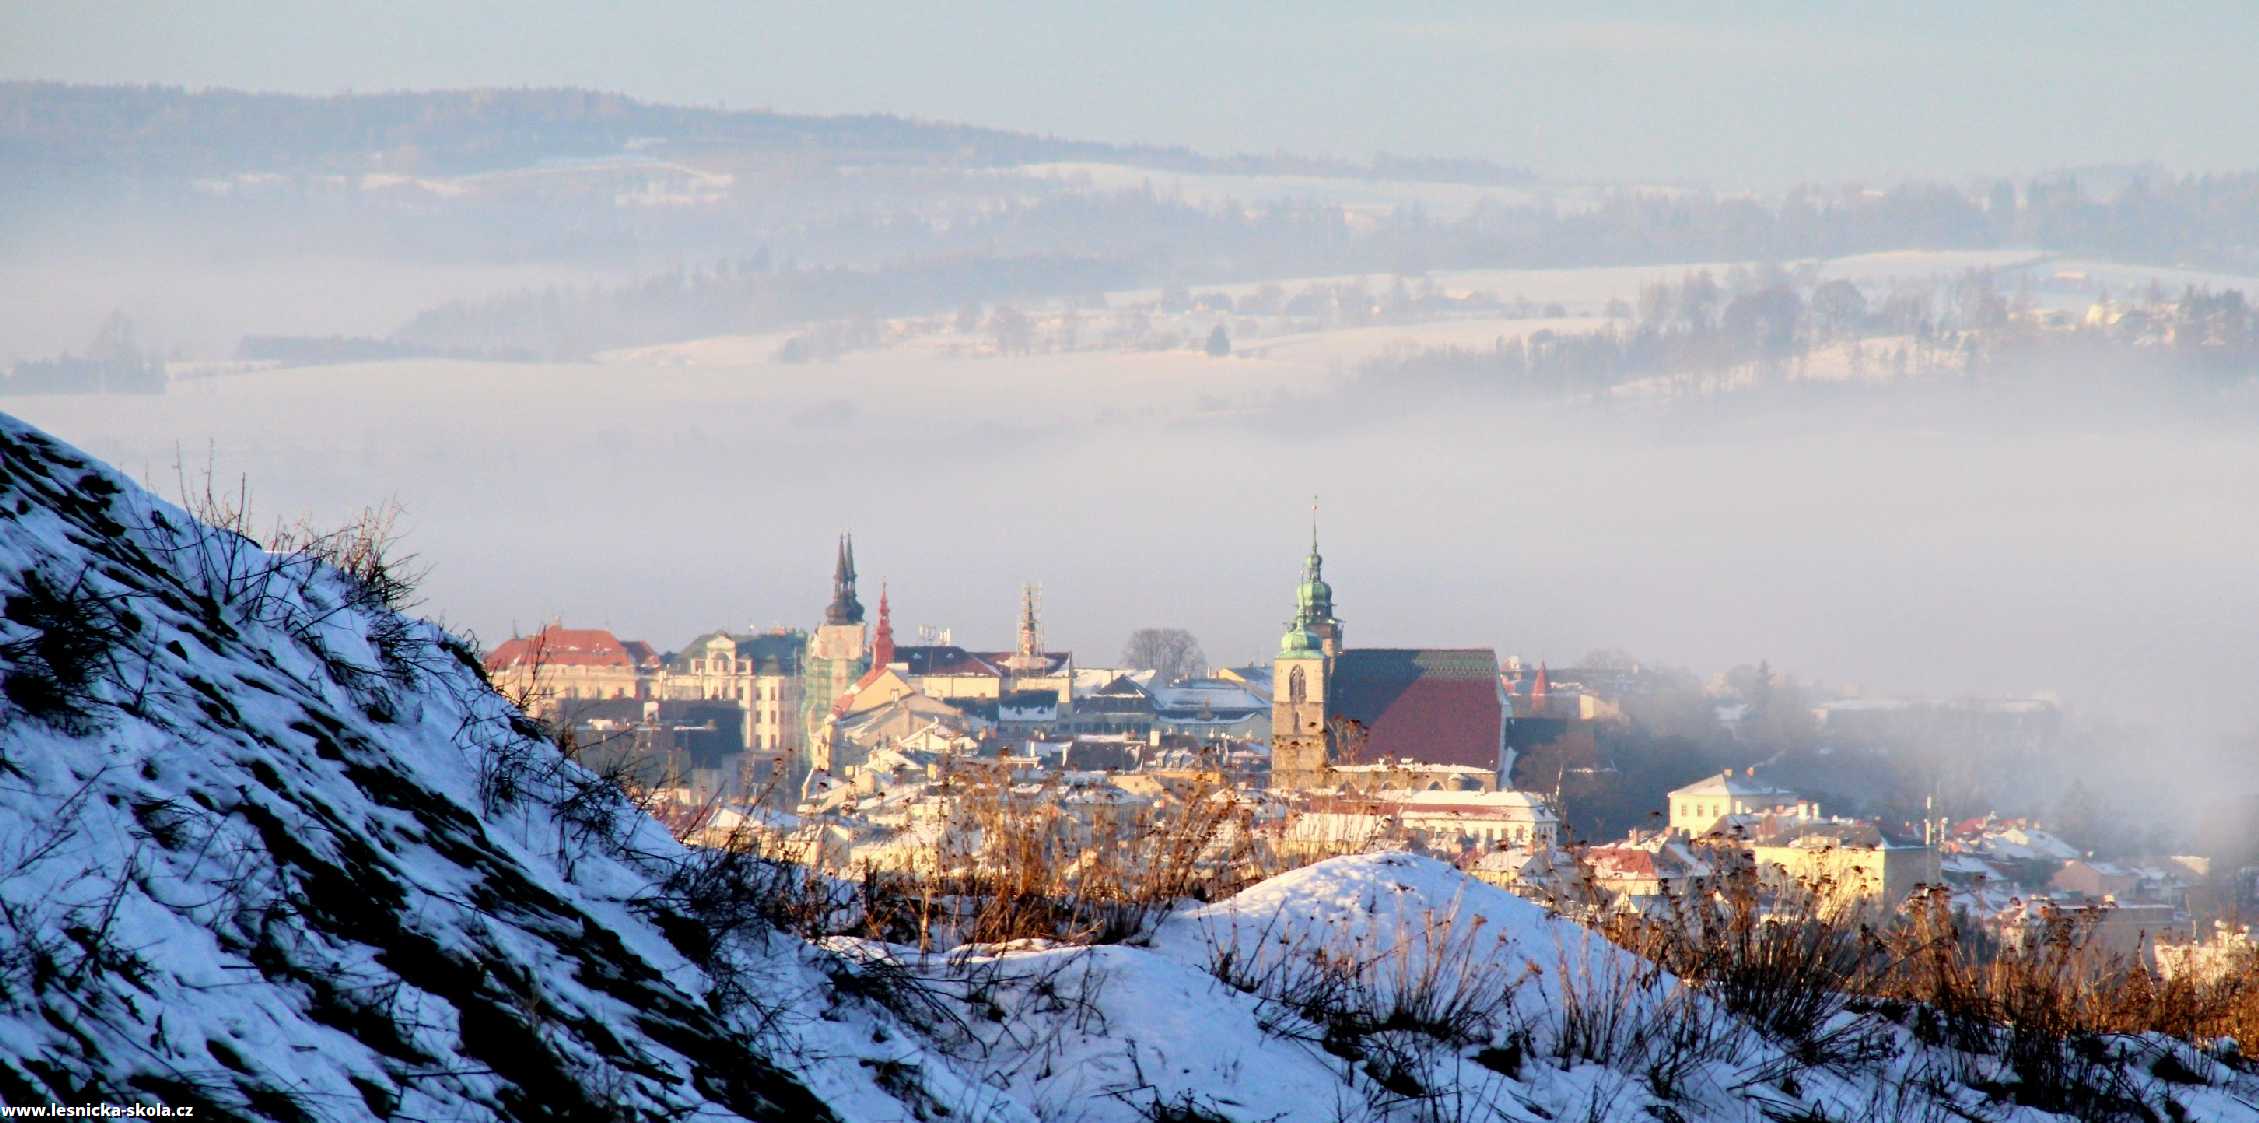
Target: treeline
(114, 363)
(2210, 220)
(1768, 323)
(77, 375)
(736, 297)
(318, 350)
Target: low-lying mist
(1977, 545)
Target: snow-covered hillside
(271, 849)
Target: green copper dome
(1300, 640)
(1313, 598)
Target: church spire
(1313, 599)
(1031, 631)
(844, 608)
(882, 649)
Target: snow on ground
(200, 305)
(268, 849)
(1471, 1004)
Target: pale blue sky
(1767, 93)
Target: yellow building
(1847, 875)
(1696, 808)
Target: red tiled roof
(847, 697)
(1433, 705)
(1621, 861)
(559, 646)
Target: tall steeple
(1031, 630)
(1027, 653)
(882, 649)
(1313, 598)
(844, 608)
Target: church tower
(839, 653)
(1313, 599)
(1299, 680)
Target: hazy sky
(1756, 94)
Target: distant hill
(54, 129)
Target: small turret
(882, 648)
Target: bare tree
(1171, 653)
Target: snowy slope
(268, 849)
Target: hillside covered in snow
(272, 849)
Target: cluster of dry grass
(1000, 862)
(2046, 1006)
(1019, 862)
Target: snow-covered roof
(1728, 784)
(1507, 802)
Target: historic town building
(1333, 705)
(558, 665)
(759, 673)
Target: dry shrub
(2060, 1011)
(1783, 956)
(2058, 1008)
(1008, 862)
(1403, 1005)
(58, 643)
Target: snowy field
(198, 309)
(1588, 289)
